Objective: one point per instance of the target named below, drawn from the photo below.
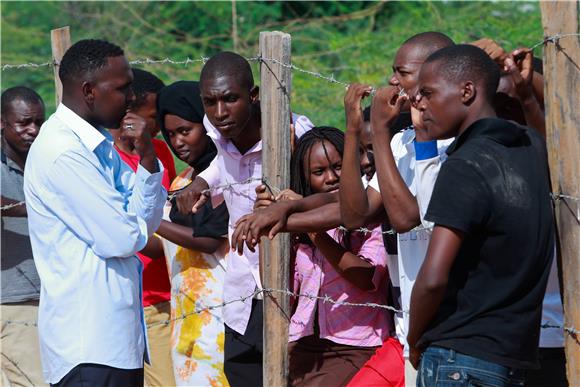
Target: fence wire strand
(268, 292)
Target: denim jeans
(443, 367)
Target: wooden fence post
(562, 82)
(276, 152)
(60, 42)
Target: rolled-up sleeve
(426, 172)
(373, 251)
(113, 220)
(211, 175)
(148, 197)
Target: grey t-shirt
(20, 280)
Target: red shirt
(156, 286)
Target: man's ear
(254, 94)
(88, 92)
(468, 93)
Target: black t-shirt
(495, 188)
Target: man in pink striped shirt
(232, 121)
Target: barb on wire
(328, 299)
(330, 78)
(281, 84)
(9, 206)
(365, 230)
(556, 196)
(551, 39)
(570, 330)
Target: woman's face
(323, 168)
(189, 139)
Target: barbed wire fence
(553, 39)
(266, 292)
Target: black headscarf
(183, 99)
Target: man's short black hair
(19, 93)
(464, 62)
(144, 83)
(86, 57)
(228, 63)
(429, 42)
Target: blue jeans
(443, 367)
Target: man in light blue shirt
(88, 215)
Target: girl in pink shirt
(329, 343)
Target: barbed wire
(9, 206)
(268, 292)
(187, 61)
(273, 190)
(557, 197)
(570, 330)
(27, 65)
(552, 39)
(202, 59)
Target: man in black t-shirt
(476, 304)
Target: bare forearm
(350, 266)
(534, 114)
(401, 205)
(183, 236)
(432, 280)
(313, 202)
(354, 203)
(153, 248)
(149, 161)
(538, 88)
(425, 302)
(319, 219)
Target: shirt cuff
(425, 150)
(143, 176)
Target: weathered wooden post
(276, 152)
(562, 83)
(60, 42)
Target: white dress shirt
(412, 245)
(88, 214)
(230, 166)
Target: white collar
(90, 136)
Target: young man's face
(440, 103)
(112, 92)
(228, 105)
(406, 68)
(21, 123)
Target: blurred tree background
(353, 41)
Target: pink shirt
(230, 166)
(349, 325)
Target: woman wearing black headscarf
(194, 244)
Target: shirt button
(455, 376)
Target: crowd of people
(434, 201)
